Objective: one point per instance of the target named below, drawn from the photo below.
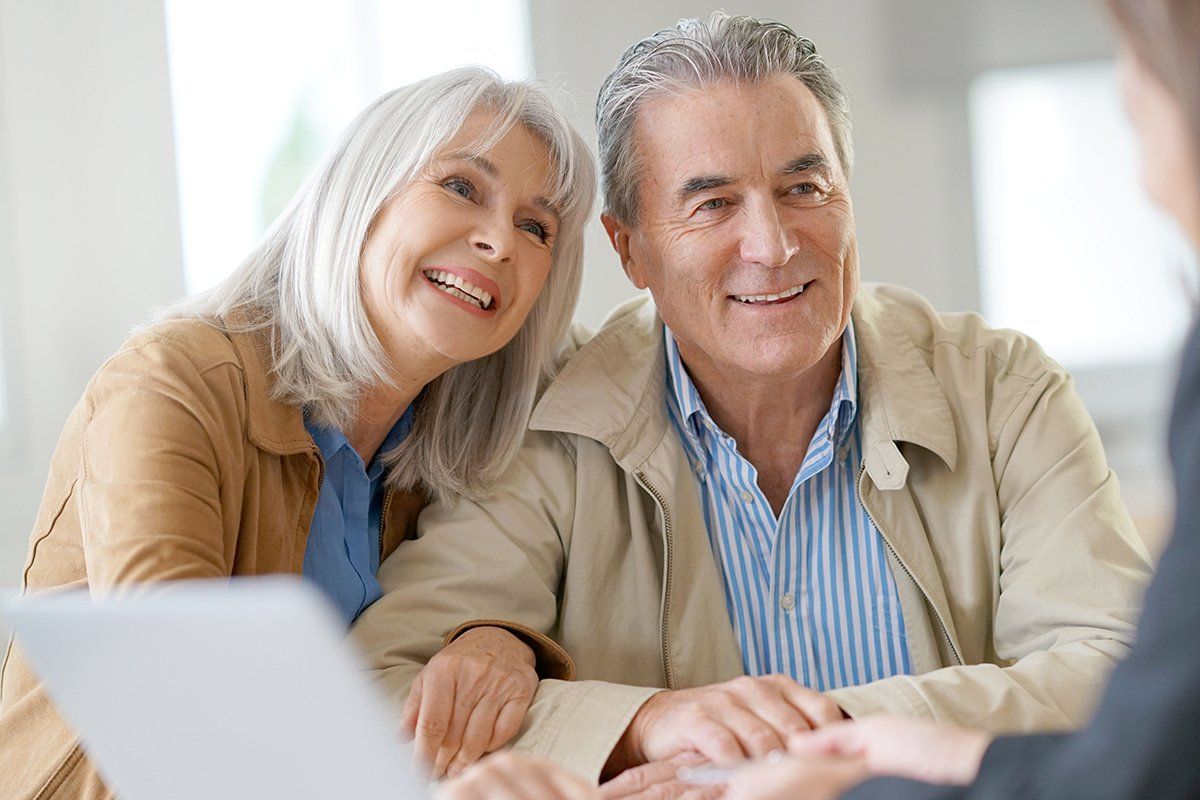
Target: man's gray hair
(689, 56)
(302, 286)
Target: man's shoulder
(629, 334)
(888, 315)
(633, 321)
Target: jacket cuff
(578, 725)
(897, 698)
(552, 660)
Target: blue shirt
(810, 594)
(342, 555)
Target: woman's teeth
(454, 285)
(766, 298)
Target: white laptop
(230, 689)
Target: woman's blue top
(342, 555)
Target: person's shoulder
(203, 344)
(632, 323)
(887, 311)
(183, 352)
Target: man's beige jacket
(1019, 571)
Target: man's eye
(460, 186)
(712, 205)
(805, 188)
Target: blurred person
(1144, 741)
(383, 343)
(764, 498)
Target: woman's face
(454, 262)
(1168, 164)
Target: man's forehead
(729, 129)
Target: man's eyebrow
(811, 162)
(702, 183)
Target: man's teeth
(454, 285)
(766, 298)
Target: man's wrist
(628, 751)
(503, 638)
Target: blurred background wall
(144, 145)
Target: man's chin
(776, 364)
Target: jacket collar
(613, 389)
(271, 425)
(902, 401)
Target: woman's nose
(494, 242)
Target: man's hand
(923, 751)
(505, 776)
(797, 779)
(726, 722)
(658, 781)
(470, 699)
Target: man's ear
(619, 237)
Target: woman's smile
(465, 287)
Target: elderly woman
(383, 343)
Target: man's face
(746, 236)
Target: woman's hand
(506, 776)
(470, 699)
(659, 780)
(907, 748)
(797, 779)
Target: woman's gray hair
(691, 55)
(301, 285)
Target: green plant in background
(299, 149)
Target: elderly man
(765, 470)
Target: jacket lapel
(613, 390)
(901, 401)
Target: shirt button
(698, 468)
(788, 602)
(747, 497)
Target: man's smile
(773, 298)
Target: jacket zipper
(668, 669)
(936, 614)
(388, 493)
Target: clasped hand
(470, 699)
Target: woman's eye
(536, 228)
(460, 186)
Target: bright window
(262, 87)
(1071, 252)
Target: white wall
(89, 234)
(88, 215)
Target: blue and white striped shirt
(810, 594)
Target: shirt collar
(687, 401)
(330, 440)
(845, 397)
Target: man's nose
(766, 240)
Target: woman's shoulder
(185, 357)
(202, 344)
